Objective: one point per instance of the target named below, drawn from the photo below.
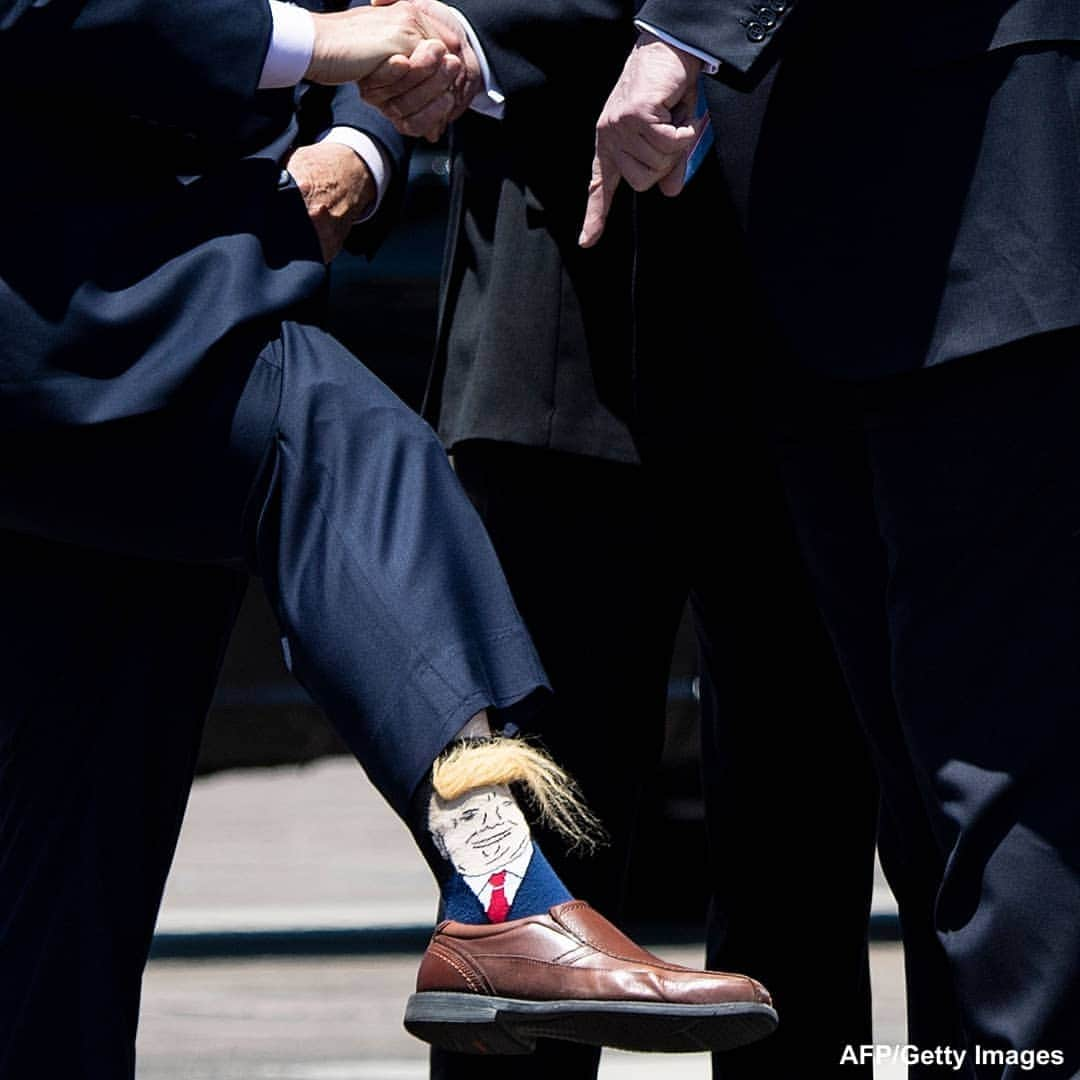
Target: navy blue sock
(540, 889)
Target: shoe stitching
(605, 950)
(453, 930)
(649, 960)
(572, 956)
(460, 965)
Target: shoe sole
(475, 1024)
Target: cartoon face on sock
(480, 832)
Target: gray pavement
(314, 848)
(340, 1019)
(311, 847)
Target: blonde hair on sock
(555, 796)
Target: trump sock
(475, 834)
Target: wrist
(480, 79)
(346, 46)
(326, 59)
(692, 65)
(472, 81)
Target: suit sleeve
(190, 64)
(739, 33)
(350, 110)
(527, 43)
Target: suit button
(756, 32)
(766, 16)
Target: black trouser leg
(108, 666)
(970, 474)
(790, 791)
(791, 799)
(847, 561)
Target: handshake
(410, 58)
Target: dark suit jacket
(144, 226)
(533, 340)
(905, 172)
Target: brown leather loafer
(570, 974)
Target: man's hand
(350, 45)
(646, 131)
(337, 188)
(423, 93)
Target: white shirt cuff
(712, 65)
(292, 42)
(370, 153)
(492, 102)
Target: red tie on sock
(498, 908)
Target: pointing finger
(605, 181)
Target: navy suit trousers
(122, 562)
